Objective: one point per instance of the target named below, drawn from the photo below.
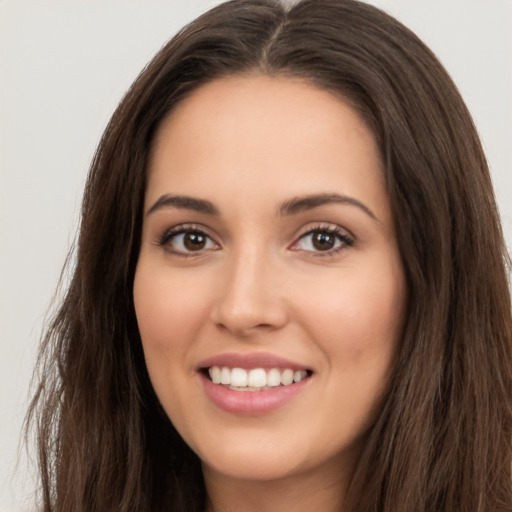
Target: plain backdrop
(63, 68)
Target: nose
(251, 296)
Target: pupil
(194, 241)
(323, 241)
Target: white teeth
(238, 377)
(225, 376)
(274, 378)
(287, 377)
(299, 375)
(214, 372)
(257, 378)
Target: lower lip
(251, 402)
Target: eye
(323, 239)
(183, 241)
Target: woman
(290, 288)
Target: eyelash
(180, 230)
(333, 230)
(340, 235)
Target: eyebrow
(304, 203)
(184, 202)
(293, 207)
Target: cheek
(357, 317)
(357, 324)
(170, 310)
(170, 313)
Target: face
(269, 289)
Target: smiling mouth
(256, 379)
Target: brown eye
(183, 241)
(327, 240)
(322, 240)
(194, 241)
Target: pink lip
(250, 402)
(249, 361)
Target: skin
(248, 145)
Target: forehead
(264, 137)
(256, 101)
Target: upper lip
(251, 360)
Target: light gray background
(63, 68)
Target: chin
(253, 468)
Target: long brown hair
(443, 440)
